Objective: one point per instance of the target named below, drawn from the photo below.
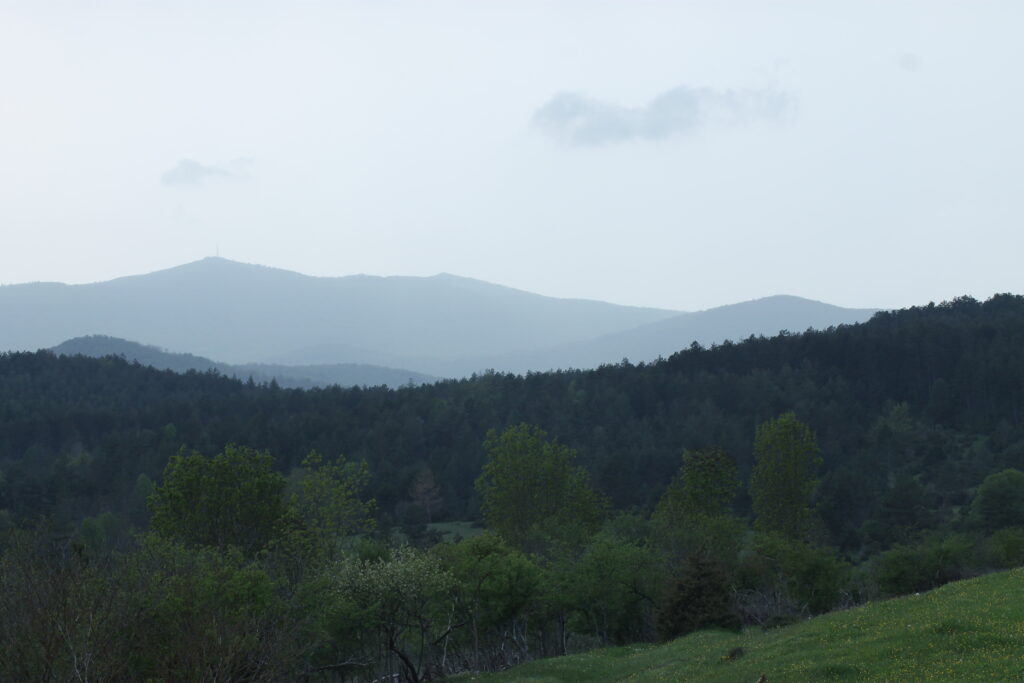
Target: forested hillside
(188, 526)
(911, 410)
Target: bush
(921, 567)
(611, 588)
(1004, 549)
(782, 578)
(701, 598)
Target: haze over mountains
(442, 325)
(288, 376)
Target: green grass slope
(965, 631)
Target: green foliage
(533, 496)
(627, 420)
(402, 606)
(999, 502)
(701, 598)
(782, 481)
(102, 533)
(693, 515)
(905, 509)
(495, 581)
(495, 587)
(705, 485)
(782, 578)
(61, 613)
(920, 567)
(614, 587)
(233, 499)
(719, 538)
(1004, 549)
(138, 512)
(160, 612)
(914, 407)
(208, 614)
(327, 498)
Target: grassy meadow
(965, 631)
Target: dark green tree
(999, 503)
(700, 599)
(782, 481)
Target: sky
(680, 154)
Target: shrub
(700, 598)
(927, 565)
(1004, 549)
(782, 578)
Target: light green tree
(494, 585)
(234, 499)
(613, 588)
(405, 608)
(706, 485)
(533, 496)
(782, 481)
(693, 515)
(326, 496)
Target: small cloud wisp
(191, 173)
(579, 120)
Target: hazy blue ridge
(761, 317)
(272, 320)
(242, 313)
(300, 377)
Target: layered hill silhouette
(288, 376)
(761, 317)
(443, 325)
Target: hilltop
(443, 325)
(243, 313)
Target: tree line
(912, 410)
(246, 574)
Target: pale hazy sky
(675, 154)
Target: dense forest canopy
(911, 410)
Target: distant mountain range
(768, 316)
(446, 326)
(291, 376)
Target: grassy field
(453, 530)
(965, 631)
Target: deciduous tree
(693, 515)
(534, 497)
(233, 499)
(782, 481)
